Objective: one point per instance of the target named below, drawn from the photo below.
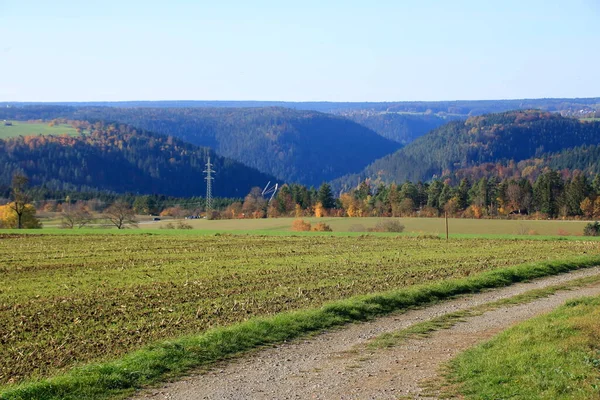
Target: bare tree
(77, 215)
(20, 197)
(120, 214)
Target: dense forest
(549, 195)
(120, 158)
(494, 138)
(569, 161)
(295, 146)
(401, 128)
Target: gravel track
(336, 365)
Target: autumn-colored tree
(20, 197)
(50, 206)
(406, 207)
(254, 203)
(597, 208)
(176, 212)
(298, 211)
(451, 206)
(273, 210)
(234, 210)
(10, 219)
(587, 208)
(428, 211)
(319, 210)
(350, 204)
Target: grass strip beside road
(155, 363)
(447, 321)
(555, 356)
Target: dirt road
(336, 365)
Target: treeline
(549, 196)
(120, 158)
(47, 200)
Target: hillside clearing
(22, 128)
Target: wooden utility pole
(446, 217)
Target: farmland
(415, 226)
(71, 299)
(430, 226)
(21, 128)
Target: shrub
(299, 225)
(523, 229)
(183, 225)
(388, 226)
(213, 215)
(322, 227)
(429, 212)
(428, 236)
(592, 229)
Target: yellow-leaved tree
(587, 207)
(319, 210)
(10, 219)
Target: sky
(309, 50)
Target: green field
(72, 299)
(22, 128)
(434, 226)
(555, 356)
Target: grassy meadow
(432, 226)
(555, 356)
(357, 226)
(23, 128)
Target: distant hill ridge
(305, 147)
(120, 158)
(458, 107)
(515, 135)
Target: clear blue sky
(378, 50)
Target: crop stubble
(68, 300)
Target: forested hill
(306, 147)
(584, 158)
(401, 128)
(119, 158)
(491, 138)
